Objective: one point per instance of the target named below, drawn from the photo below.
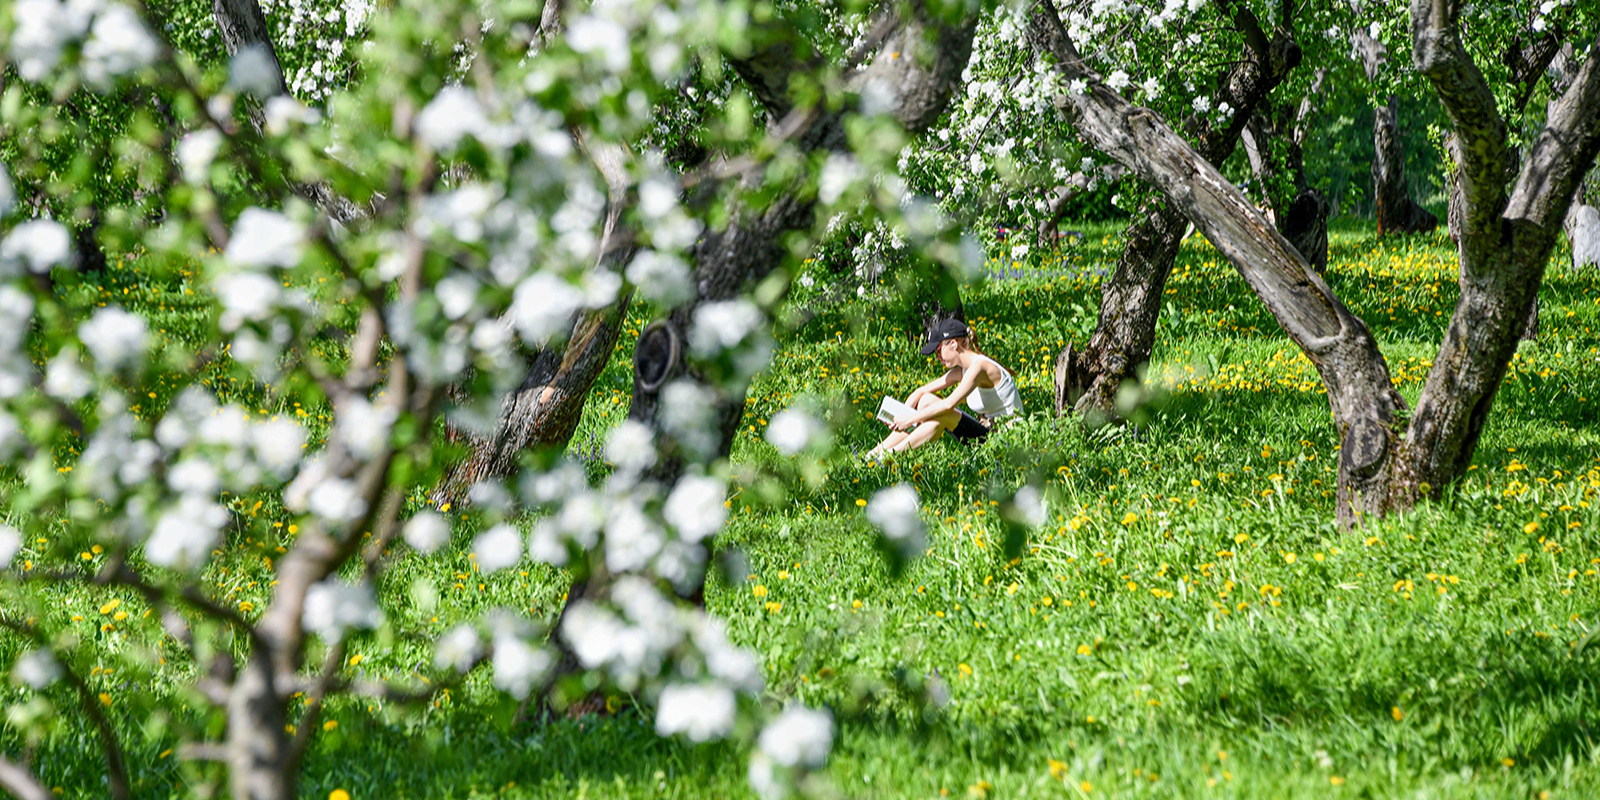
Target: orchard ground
(1188, 622)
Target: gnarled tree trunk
(1360, 395)
(1088, 379)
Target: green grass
(1188, 623)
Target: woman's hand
(904, 422)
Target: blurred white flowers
(263, 238)
(897, 512)
(427, 531)
(10, 543)
(114, 337)
(118, 44)
(700, 711)
(35, 245)
(36, 669)
(497, 548)
(695, 507)
(333, 607)
(798, 736)
(793, 430)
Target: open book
(891, 408)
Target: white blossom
(42, 29)
(632, 539)
(194, 477)
(36, 245)
(1029, 506)
(546, 545)
(723, 325)
(10, 543)
(1201, 104)
(518, 666)
(689, 413)
(897, 512)
(185, 534)
(36, 669)
(457, 292)
(118, 44)
(695, 507)
(798, 736)
(196, 151)
(333, 607)
(657, 197)
(1077, 86)
(245, 296)
(631, 446)
(725, 660)
(278, 444)
(662, 278)
(591, 34)
(1151, 87)
(363, 426)
(457, 649)
(700, 711)
(255, 70)
(542, 306)
(114, 337)
(452, 114)
(263, 238)
(64, 379)
(336, 500)
(839, 173)
(427, 531)
(1117, 80)
(282, 111)
(497, 548)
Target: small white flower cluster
(798, 740)
(897, 512)
(35, 246)
(795, 430)
(118, 41)
(333, 608)
(262, 241)
(735, 328)
(16, 318)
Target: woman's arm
(969, 381)
(938, 384)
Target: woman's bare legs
(900, 441)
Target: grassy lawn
(1189, 622)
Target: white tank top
(1001, 400)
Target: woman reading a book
(987, 387)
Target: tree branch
(20, 783)
(1437, 53)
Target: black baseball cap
(950, 328)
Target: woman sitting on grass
(978, 379)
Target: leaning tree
(1389, 458)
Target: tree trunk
(1360, 395)
(1301, 215)
(1088, 379)
(1392, 204)
(1505, 246)
(544, 411)
(1583, 231)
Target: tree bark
(1583, 231)
(1360, 395)
(1088, 379)
(1302, 214)
(546, 408)
(1507, 234)
(1396, 212)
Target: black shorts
(969, 430)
